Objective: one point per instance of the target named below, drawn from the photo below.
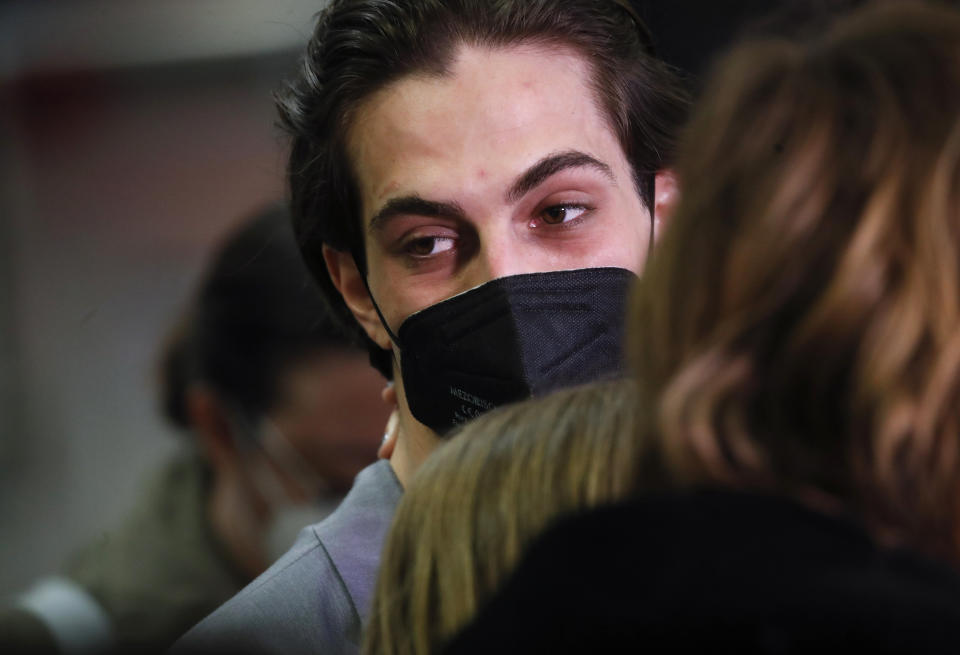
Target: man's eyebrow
(551, 165)
(414, 206)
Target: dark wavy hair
(359, 46)
(257, 312)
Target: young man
(474, 184)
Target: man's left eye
(429, 245)
(562, 214)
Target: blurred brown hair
(481, 498)
(798, 330)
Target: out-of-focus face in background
(324, 428)
(330, 411)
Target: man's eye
(562, 214)
(427, 246)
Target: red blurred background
(132, 134)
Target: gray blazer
(315, 598)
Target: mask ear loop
(383, 321)
(277, 446)
(248, 440)
(270, 441)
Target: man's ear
(666, 193)
(349, 282)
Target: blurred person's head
(284, 406)
(477, 502)
(440, 145)
(798, 329)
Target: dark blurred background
(132, 135)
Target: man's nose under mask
(510, 339)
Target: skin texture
(464, 143)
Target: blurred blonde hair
(479, 499)
(798, 330)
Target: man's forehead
(469, 63)
(484, 81)
(497, 108)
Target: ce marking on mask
(467, 412)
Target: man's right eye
(428, 246)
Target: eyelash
(566, 206)
(408, 246)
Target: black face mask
(510, 339)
